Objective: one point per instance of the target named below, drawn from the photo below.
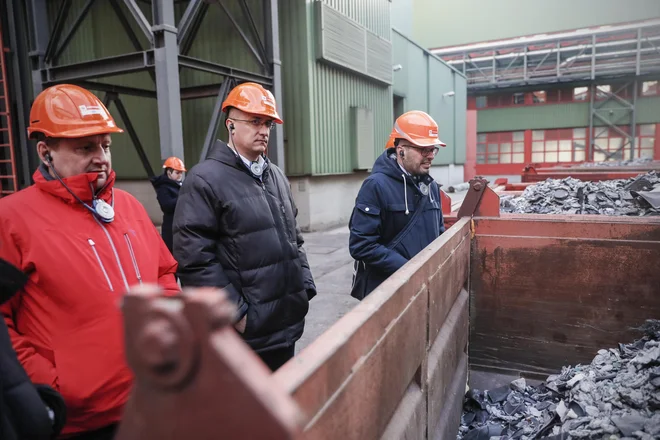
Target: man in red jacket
(83, 244)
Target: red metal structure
(590, 173)
(8, 177)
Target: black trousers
(276, 358)
(107, 433)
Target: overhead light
(397, 67)
(449, 94)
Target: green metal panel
(402, 16)
(448, 23)
(423, 81)
(562, 116)
(335, 91)
(296, 54)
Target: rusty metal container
(516, 294)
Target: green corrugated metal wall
(559, 116)
(335, 91)
(422, 81)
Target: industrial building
(341, 71)
(560, 95)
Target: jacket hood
(82, 185)
(388, 165)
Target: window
(538, 97)
(614, 143)
(518, 98)
(563, 145)
(481, 101)
(645, 140)
(503, 147)
(650, 88)
(603, 92)
(580, 93)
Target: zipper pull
(91, 242)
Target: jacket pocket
(133, 259)
(98, 259)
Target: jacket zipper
(135, 264)
(98, 258)
(114, 250)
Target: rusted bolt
(477, 186)
(158, 345)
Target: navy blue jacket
(167, 192)
(382, 237)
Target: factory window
(538, 97)
(563, 145)
(503, 147)
(482, 101)
(580, 93)
(518, 98)
(614, 144)
(650, 88)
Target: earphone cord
(57, 176)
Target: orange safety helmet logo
(418, 128)
(254, 99)
(175, 163)
(69, 111)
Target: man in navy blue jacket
(397, 211)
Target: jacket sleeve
(442, 217)
(40, 369)
(308, 279)
(167, 198)
(365, 231)
(194, 231)
(166, 268)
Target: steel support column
(633, 121)
(166, 53)
(38, 21)
(276, 143)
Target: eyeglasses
(425, 151)
(257, 123)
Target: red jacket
(66, 325)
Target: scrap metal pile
(617, 396)
(638, 196)
(619, 163)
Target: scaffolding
(167, 52)
(593, 54)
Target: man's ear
(44, 152)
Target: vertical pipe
(633, 120)
(590, 148)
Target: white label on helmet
(86, 110)
(433, 133)
(267, 101)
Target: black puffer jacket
(233, 231)
(167, 192)
(23, 406)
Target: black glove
(55, 403)
(12, 279)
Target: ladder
(8, 177)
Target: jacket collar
(387, 164)
(222, 152)
(81, 185)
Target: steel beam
(166, 52)
(119, 90)
(205, 91)
(253, 27)
(239, 29)
(186, 22)
(72, 31)
(141, 20)
(126, 25)
(56, 33)
(209, 140)
(133, 135)
(276, 148)
(38, 23)
(220, 69)
(102, 67)
(633, 121)
(186, 39)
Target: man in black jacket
(27, 411)
(235, 228)
(167, 186)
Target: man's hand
(240, 325)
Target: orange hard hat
(68, 111)
(252, 98)
(391, 139)
(419, 128)
(175, 163)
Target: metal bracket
(480, 201)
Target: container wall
(548, 291)
(396, 365)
